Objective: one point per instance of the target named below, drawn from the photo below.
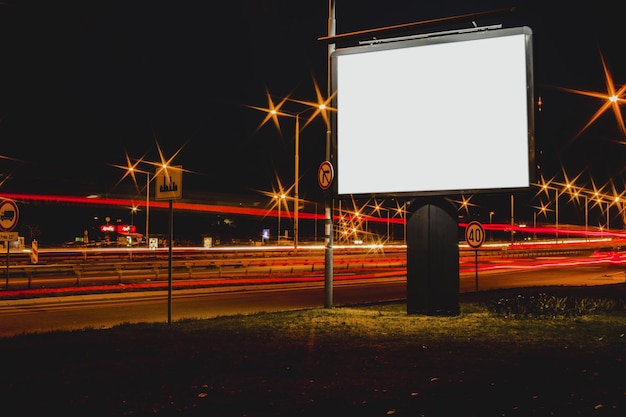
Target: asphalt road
(106, 310)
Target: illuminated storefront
(121, 234)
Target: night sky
(85, 83)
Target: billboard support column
(432, 259)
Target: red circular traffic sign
(474, 234)
(325, 175)
(9, 214)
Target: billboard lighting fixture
(432, 34)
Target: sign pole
(169, 186)
(169, 265)
(9, 213)
(328, 200)
(476, 267)
(325, 175)
(6, 285)
(475, 237)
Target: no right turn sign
(325, 175)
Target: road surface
(106, 310)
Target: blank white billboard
(437, 115)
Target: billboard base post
(433, 259)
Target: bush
(542, 305)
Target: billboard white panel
(436, 115)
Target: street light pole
(512, 218)
(132, 169)
(586, 219)
(296, 203)
(328, 210)
(278, 227)
(556, 228)
(278, 233)
(279, 198)
(276, 112)
(147, 208)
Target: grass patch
(365, 360)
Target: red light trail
(564, 230)
(197, 207)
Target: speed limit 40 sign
(474, 235)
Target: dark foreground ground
(366, 360)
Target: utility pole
(328, 210)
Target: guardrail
(77, 266)
(77, 273)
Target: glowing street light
(611, 100)
(147, 203)
(559, 189)
(401, 212)
(273, 112)
(545, 187)
(131, 169)
(576, 195)
(133, 210)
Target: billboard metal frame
(418, 42)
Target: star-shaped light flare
(570, 186)
(165, 163)
(612, 99)
(272, 111)
(279, 190)
(130, 169)
(544, 186)
(464, 204)
(321, 105)
(543, 209)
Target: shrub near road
(366, 360)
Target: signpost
(9, 214)
(325, 176)
(169, 186)
(475, 237)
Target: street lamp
(133, 210)
(322, 109)
(616, 200)
(401, 211)
(598, 202)
(538, 210)
(273, 112)
(132, 170)
(576, 195)
(296, 197)
(279, 198)
(545, 186)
